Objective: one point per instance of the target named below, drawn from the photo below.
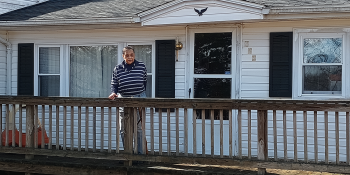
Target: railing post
(30, 129)
(262, 138)
(128, 134)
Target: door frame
(235, 77)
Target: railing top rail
(253, 104)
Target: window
(321, 60)
(49, 71)
(91, 70)
(83, 70)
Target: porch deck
(70, 140)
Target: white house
(235, 49)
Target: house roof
(81, 9)
(57, 12)
(11, 5)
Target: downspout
(8, 63)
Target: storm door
(212, 75)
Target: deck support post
(128, 134)
(262, 139)
(30, 129)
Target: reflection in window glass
(212, 53)
(322, 69)
(322, 78)
(49, 60)
(323, 50)
(49, 85)
(212, 88)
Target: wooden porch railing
(65, 122)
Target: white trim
(188, 2)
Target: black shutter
(25, 81)
(165, 69)
(281, 55)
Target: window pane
(49, 60)
(149, 86)
(212, 88)
(91, 70)
(325, 79)
(144, 53)
(323, 50)
(212, 53)
(49, 85)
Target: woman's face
(129, 56)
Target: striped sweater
(129, 80)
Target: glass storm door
(212, 75)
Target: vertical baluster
(143, 119)
(160, 131)
(64, 127)
(117, 129)
(86, 129)
(72, 128)
(221, 134)
(43, 131)
(50, 126)
(203, 132)
(315, 137)
(36, 117)
(337, 137)
(275, 135)
(7, 125)
(326, 135)
(94, 129)
(177, 132)
(135, 130)
(347, 139)
(186, 131)
(285, 134)
(20, 113)
(152, 130)
(230, 132)
(57, 127)
(239, 120)
(168, 131)
(110, 130)
(305, 138)
(13, 125)
(194, 117)
(212, 132)
(30, 125)
(295, 135)
(79, 128)
(249, 134)
(1, 124)
(102, 128)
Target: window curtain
(144, 53)
(91, 70)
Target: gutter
(8, 64)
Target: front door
(212, 75)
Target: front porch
(86, 127)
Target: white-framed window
(319, 67)
(49, 70)
(84, 70)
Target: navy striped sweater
(129, 80)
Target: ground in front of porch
(63, 165)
